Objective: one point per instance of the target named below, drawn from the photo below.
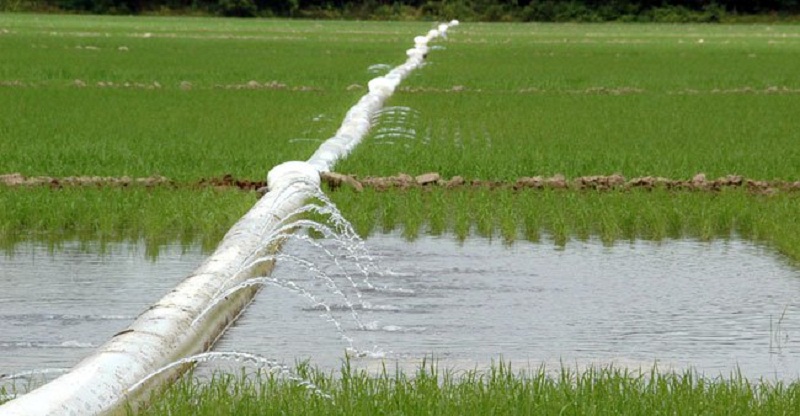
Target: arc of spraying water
(164, 333)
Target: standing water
(714, 306)
(58, 305)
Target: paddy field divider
(190, 318)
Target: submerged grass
(498, 390)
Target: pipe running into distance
(189, 319)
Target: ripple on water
(56, 307)
(714, 306)
(676, 303)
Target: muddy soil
(17, 179)
(335, 181)
(698, 182)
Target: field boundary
(335, 181)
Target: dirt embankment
(427, 180)
(595, 182)
(17, 179)
(225, 181)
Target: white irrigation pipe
(164, 332)
(357, 121)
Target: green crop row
(501, 101)
(557, 215)
(504, 101)
(496, 391)
(530, 100)
(157, 216)
(184, 98)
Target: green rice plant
(561, 215)
(156, 215)
(461, 222)
(572, 99)
(388, 215)
(643, 135)
(507, 221)
(5, 394)
(439, 218)
(413, 218)
(203, 51)
(496, 390)
(72, 132)
(483, 216)
(640, 100)
(186, 98)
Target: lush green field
(156, 216)
(537, 99)
(158, 124)
(52, 125)
(496, 391)
(115, 96)
(555, 216)
(599, 99)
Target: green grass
(183, 135)
(498, 390)
(503, 136)
(50, 126)
(560, 215)
(53, 127)
(157, 216)
(51, 50)
(542, 99)
(529, 107)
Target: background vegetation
(484, 10)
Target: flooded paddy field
(717, 307)
(713, 306)
(631, 277)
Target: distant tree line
(478, 10)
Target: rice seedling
(599, 99)
(127, 98)
(562, 215)
(184, 98)
(158, 215)
(497, 390)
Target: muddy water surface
(57, 306)
(713, 306)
